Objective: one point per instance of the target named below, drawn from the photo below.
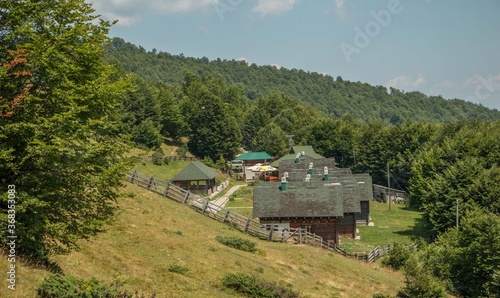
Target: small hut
(197, 178)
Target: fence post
(133, 176)
(246, 225)
(204, 206)
(150, 182)
(187, 196)
(165, 193)
(226, 215)
(270, 238)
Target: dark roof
(308, 152)
(299, 200)
(254, 156)
(196, 170)
(289, 165)
(340, 193)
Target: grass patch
(237, 243)
(74, 287)
(165, 171)
(142, 244)
(399, 224)
(250, 286)
(242, 201)
(178, 269)
(239, 202)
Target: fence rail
(241, 222)
(148, 159)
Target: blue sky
(438, 47)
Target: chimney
(283, 183)
(297, 158)
(325, 175)
(310, 172)
(286, 176)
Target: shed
(248, 159)
(196, 178)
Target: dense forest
(72, 102)
(333, 97)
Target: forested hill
(334, 97)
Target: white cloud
(477, 89)
(265, 7)
(442, 88)
(244, 59)
(340, 9)
(130, 12)
(407, 83)
(276, 65)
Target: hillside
(334, 97)
(151, 233)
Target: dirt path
(223, 200)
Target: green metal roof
(196, 170)
(254, 156)
(308, 152)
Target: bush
(178, 269)
(251, 286)
(182, 150)
(56, 286)
(158, 157)
(238, 243)
(419, 280)
(147, 134)
(398, 256)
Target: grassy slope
(151, 233)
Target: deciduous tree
(58, 128)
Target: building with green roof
(241, 163)
(196, 177)
(257, 157)
(307, 151)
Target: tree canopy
(334, 98)
(59, 124)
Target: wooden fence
(148, 159)
(238, 221)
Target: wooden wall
(327, 228)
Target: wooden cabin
(318, 196)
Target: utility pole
(389, 185)
(456, 204)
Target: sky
(438, 47)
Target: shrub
(238, 243)
(56, 286)
(398, 256)
(178, 269)
(419, 280)
(251, 286)
(182, 150)
(158, 157)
